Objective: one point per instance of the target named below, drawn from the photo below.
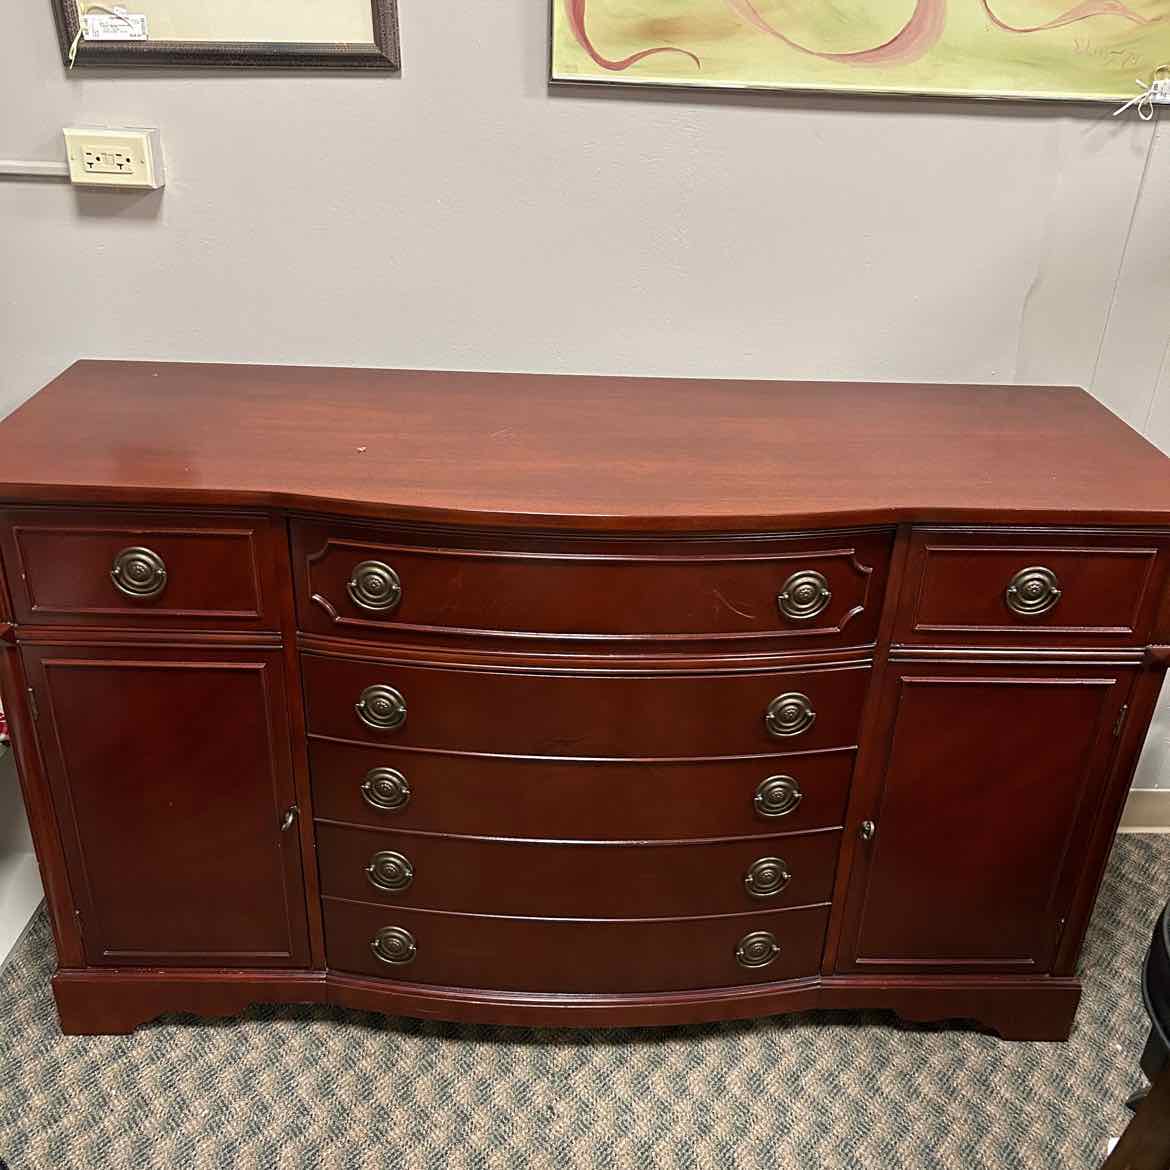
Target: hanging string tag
(1156, 93)
(117, 24)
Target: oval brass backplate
(381, 707)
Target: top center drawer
(813, 590)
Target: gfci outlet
(115, 158)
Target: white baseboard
(1147, 811)
(20, 882)
(20, 895)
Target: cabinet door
(991, 783)
(171, 771)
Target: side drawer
(583, 714)
(561, 955)
(493, 796)
(806, 590)
(116, 568)
(576, 880)
(1015, 586)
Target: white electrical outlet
(115, 158)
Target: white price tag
(1159, 91)
(115, 25)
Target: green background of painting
(1097, 58)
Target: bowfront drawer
(1044, 588)
(115, 568)
(583, 714)
(564, 880)
(559, 955)
(803, 590)
(609, 800)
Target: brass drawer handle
(1032, 591)
(390, 871)
(804, 595)
(381, 707)
(139, 573)
(757, 949)
(394, 945)
(385, 789)
(374, 586)
(789, 714)
(767, 877)
(777, 796)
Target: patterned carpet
(320, 1087)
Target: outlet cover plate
(100, 157)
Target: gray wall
(461, 216)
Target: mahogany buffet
(574, 701)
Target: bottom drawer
(568, 955)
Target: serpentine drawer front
(556, 712)
(575, 880)
(574, 701)
(571, 955)
(604, 800)
(798, 592)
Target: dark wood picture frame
(382, 53)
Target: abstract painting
(1086, 50)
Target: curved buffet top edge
(711, 524)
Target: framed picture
(1080, 50)
(333, 34)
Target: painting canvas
(244, 21)
(279, 33)
(1087, 50)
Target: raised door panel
(171, 772)
(993, 779)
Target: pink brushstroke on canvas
(575, 12)
(1080, 12)
(919, 34)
